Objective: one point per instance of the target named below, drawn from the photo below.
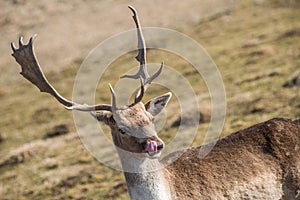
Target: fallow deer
(260, 162)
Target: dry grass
(256, 50)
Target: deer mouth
(154, 149)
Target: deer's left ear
(103, 116)
(156, 105)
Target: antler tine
(13, 47)
(141, 57)
(21, 41)
(156, 74)
(31, 70)
(113, 98)
(139, 96)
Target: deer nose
(160, 146)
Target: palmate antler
(31, 70)
(141, 57)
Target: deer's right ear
(103, 116)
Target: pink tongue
(151, 146)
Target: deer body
(261, 162)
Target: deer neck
(145, 178)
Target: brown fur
(271, 147)
(135, 114)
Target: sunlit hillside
(255, 47)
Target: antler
(31, 70)
(141, 57)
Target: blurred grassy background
(256, 48)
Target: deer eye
(122, 131)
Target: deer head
(132, 126)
